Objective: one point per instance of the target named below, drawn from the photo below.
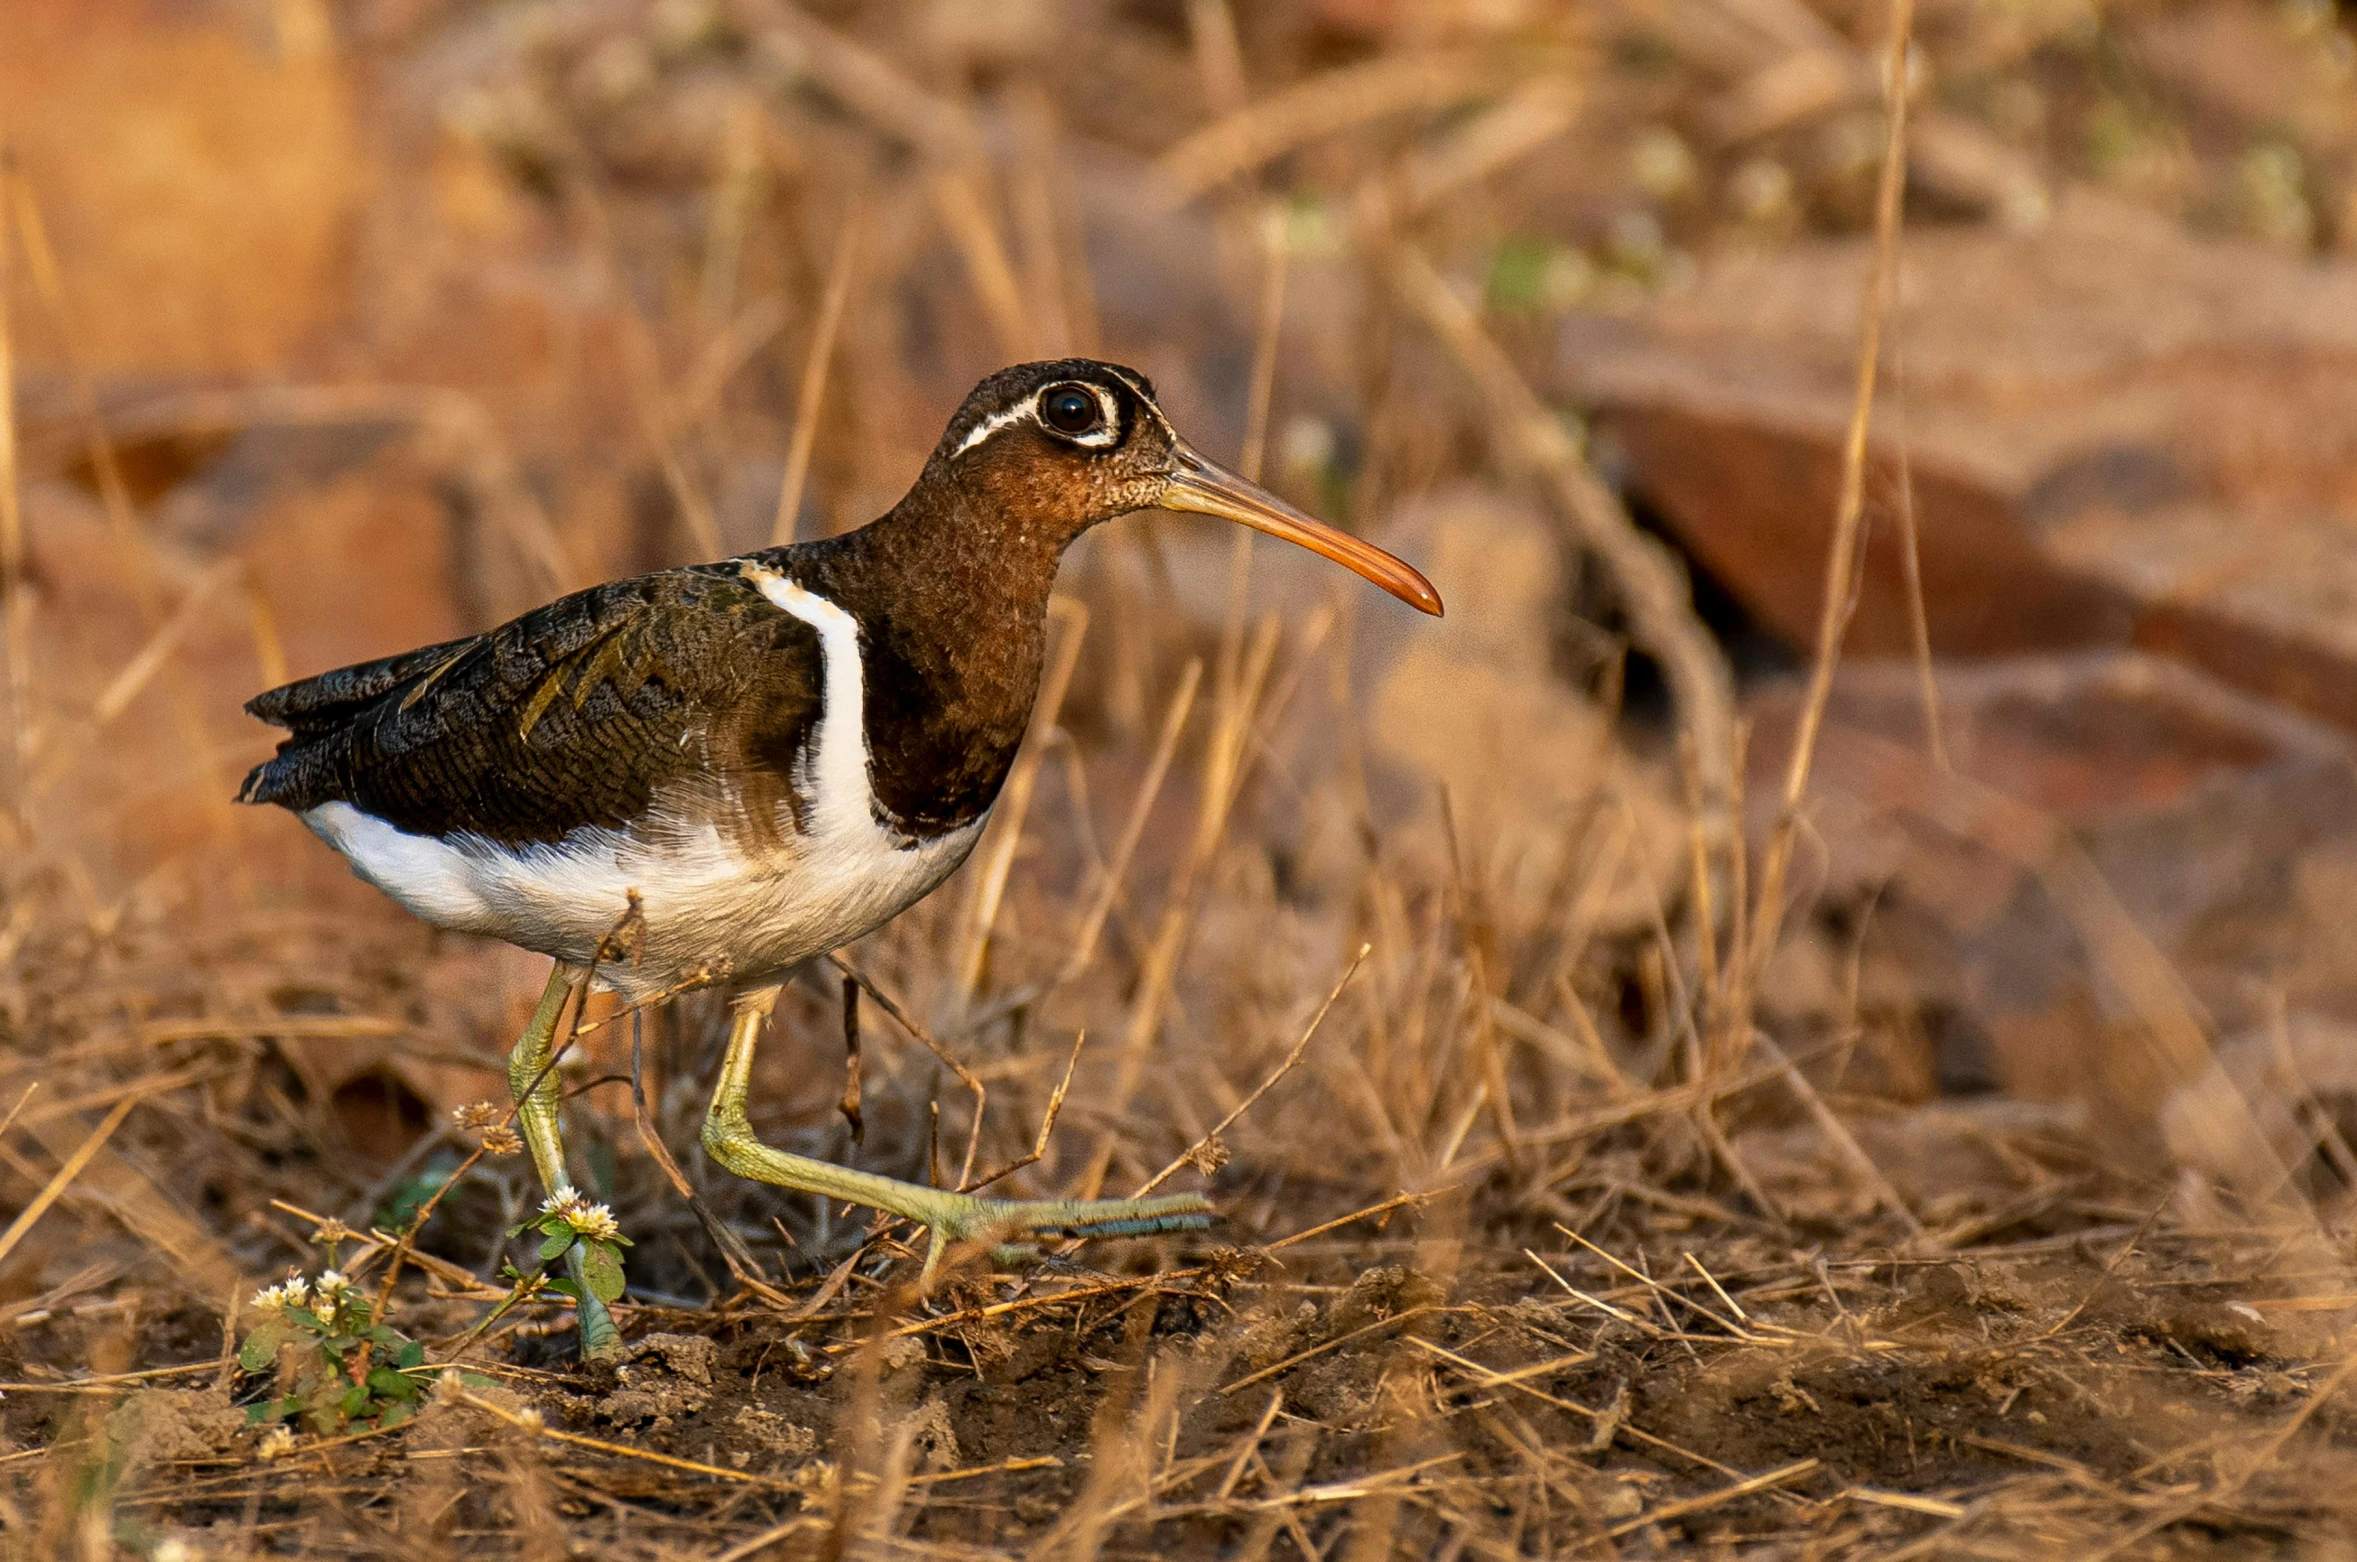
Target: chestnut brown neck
(950, 590)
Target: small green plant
(338, 1369)
(566, 1218)
(589, 1241)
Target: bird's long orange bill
(1207, 488)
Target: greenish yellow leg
(951, 1217)
(537, 1120)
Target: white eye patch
(1106, 432)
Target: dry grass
(1582, 1195)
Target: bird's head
(1063, 445)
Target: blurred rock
(2118, 434)
(197, 168)
(2225, 830)
(2298, 1079)
(1470, 706)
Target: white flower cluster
(594, 1221)
(329, 1294)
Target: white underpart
(708, 901)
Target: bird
(767, 757)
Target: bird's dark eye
(1071, 410)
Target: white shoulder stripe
(837, 759)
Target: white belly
(708, 902)
(705, 902)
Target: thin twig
(533, 1424)
(1841, 555)
(814, 377)
(1282, 1069)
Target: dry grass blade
(532, 1423)
(900, 1016)
(1108, 893)
(13, 603)
(142, 668)
(73, 1167)
(811, 397)
(1842, 552)
(1223, 772)
(1282, 1069)
(1322, 106)
(742, 1266)
(1047, 1125)
(776, 1534)
(1335, 1344)
(1692, 1505)
(1650, 581)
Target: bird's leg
(951, 1217)
(532, 1085)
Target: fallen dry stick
(1709, 1500)
(533, 1424)
(72, 1168)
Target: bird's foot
(958, 1217)
(601, 1340)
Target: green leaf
(260, 1350)
(354, 1400)
(385, 1335)
(391, 1384)
(565, 1288)
(552, 1246)
(476, 1380)
(411, 1354)
(601, 1266)
(396, 1413)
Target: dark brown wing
(577, 713)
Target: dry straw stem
(1652, 585)
(1047, 1126)
(2170, 1022)
(451, 431)
(1335, 101)
(1282, 1069)
(1842, 554)
(1609, 1420)
(742, 1266)
(1133, 831)
(900, 1015)
(532, 1423)
(1725, 1494)
(959, 183)
(13, 603)
(642, 363)
(1223, 779)
(66, 1173)
(811, 396)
